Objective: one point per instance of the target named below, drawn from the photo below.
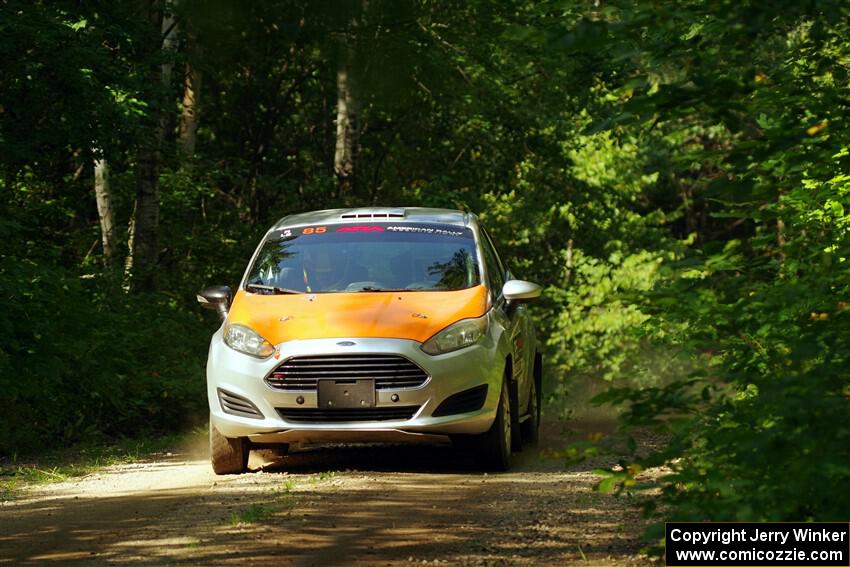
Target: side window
(495, 270)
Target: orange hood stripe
(398, 315)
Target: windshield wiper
(372, 288)
(273, 288)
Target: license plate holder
(346, 394)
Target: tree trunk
(140, 267)
(346, 128)
(105, 212)
(191, 104)
(144, 224)
(189, 116)
(170, 40)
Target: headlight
(458, 335)
(244, 339)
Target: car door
(514, 319)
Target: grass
(17, 473)
(322, 476)
(252, 514)
(327, 475)
(279, 499)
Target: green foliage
(64, 90)
(756, 300)
(82, 359)
(82, 363)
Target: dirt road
(381, 505)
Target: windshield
(365, 258)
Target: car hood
(398, 315)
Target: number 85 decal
(315, 230)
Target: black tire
(531, 426)
(228, 455)
(494, 447)
(516, 433)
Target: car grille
(391, 372)
(353, 414)
(237, 405)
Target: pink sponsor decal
(360, 229)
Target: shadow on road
(382, 505)
(389, 458)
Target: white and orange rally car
(374, 325)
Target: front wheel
(228, 455)
(494, 446)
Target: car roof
(397, 214)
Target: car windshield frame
(466, 261)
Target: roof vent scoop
(373, 214)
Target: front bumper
(449, 373)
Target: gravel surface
(374, 505)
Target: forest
(676, 174)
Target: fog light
(394, 397)
(299, 400)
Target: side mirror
(520, 290)
(216, 297)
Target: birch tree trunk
(347, 111)
(105, 213)
(140, 267)
(191, 103)
(170, 40)
(189, 116)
